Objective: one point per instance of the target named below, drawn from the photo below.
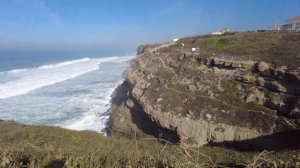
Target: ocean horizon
(59, 89)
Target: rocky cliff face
(213, 95)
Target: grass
(280, 48)
(248, 43)
(230, 95)
(171, 100)
(220, 44)
(41, 146)
(44, 146)
(237, 43)
(166, 74)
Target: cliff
(238, 88)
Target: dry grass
(230, 95)
(42, 146)
(276, 47)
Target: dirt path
(161, 46)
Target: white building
(222, 31)
(292, 24)
(216, 33)
(176, 39)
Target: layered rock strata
(194, 100)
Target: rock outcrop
(197, 98)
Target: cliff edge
(238, 89)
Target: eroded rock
(211, 100)
(263, 66)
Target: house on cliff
(220, 32)
(292, 24)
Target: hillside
(238, 90)
(52, 147)
(234, 102)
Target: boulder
(192, 88)
(208, 116)
(130, 103)
(263, 66)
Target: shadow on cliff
(289, 140)
(119, 95)
(141, 119)
(144, 123)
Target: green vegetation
(43, 146)
(230, 95)
(178, 87)
(171, 100)
(166, 74)
(277, 47)
(220, 44)
(235, 43)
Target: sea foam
(26, 80)
(73, 94)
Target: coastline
(174, 107)
(213, 97)
(73, 103)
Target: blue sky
(124, 24)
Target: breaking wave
(22, 81)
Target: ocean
(72, 92)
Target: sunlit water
(73, 94)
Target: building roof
(294, 19)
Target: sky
(125, 24)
